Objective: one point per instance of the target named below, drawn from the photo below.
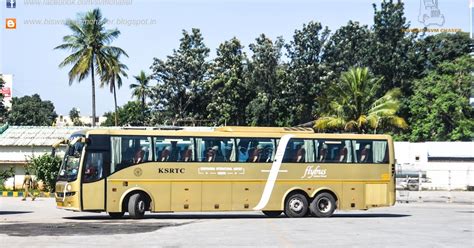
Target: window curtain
(308, 146)
(379, 151)
(116, 143)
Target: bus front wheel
(137, 206)
(323, 205)
(296, 205)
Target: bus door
(93, 181)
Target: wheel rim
(296, 205)
(141, 206)
(324, 205)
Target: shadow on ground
(14, 212)
(82, 229)
(207, 216)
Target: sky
(152, 29)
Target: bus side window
(255, 150)
(334, 151)
(174, 149)
(371, 151)
(215, 149)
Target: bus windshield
(71, 161)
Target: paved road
(39, 223)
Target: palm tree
(89, 45)
(355, 107)
(141, 90)
(113, 77)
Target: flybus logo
(312, 172)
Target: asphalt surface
(40, 224)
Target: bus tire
(272, 214)
(116, 215)
(323, 205)
(296, 205)
(137, 206)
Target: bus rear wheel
(137, 206)
(296, 205)
(272, 214)
(323, 205)
(116, 215)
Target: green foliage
(228, 89)
(267, 81)
(46, 168)
(305, 71)
(355, 106)
(75, 117)
(129, 114)
(32, 111)
(141, 90)
(348, 47)
(90, 49)
(4, 175)
(113, 77)
(391, 50)
(181, 80)
(440, 104)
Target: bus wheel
(323, 205)
(137, 206)
(296, 205)
(272, 214)
(116, 215)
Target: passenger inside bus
(165, 154)
(188, 154)
(300, 154)
(365, 154)
(139, 155)
(323, 152)
(343, 154)
(211, 154)
(243, 154)
(256, 154)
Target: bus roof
(231, 131)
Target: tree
(267, 79)
(75, 117)
(348, 47)
(355, 106)
(90, 47)
(440, 107)
(179, 93)
(3, 110)
(391, 49)
(228, 89)
(46, 168)
(141, 90)
(129, 114)
(113, 77)
(436, 49)
(305, 71)
(32, 111)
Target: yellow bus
(274, 170)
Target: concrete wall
(412, 158)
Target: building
(65, 120)
(440, 165)
(19, 144)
